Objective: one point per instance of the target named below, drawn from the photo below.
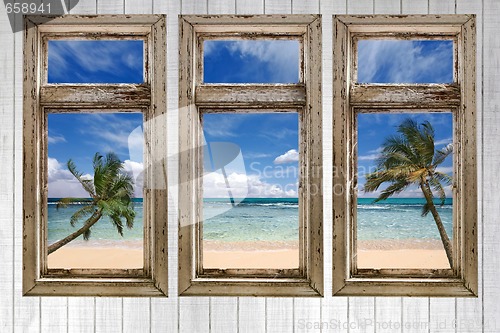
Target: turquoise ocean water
(102, 232)
(272, 220)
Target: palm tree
(110, 195)
(410, 158)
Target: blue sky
(267, 166)
(251, 61)
(268, 143)
(373, 128)
(405, 61)
(102, 61)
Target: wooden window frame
(304, 97)
(459, 97)
(40, 98)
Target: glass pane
(405, 61)
(96, 61)
(84, 190)
(251, 61)
(399, 157)
(250, 205)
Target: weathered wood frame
(41, 98)
(349, 98)
(196, 98)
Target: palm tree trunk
(88, 224)
(442, 231)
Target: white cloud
(244, 186)
(115, 134)
(290, 156)
(62, 183)
(135, 170)
(252, 155)
(410, 192)
(56, 139)
(282, 57)
(443, 169)
(369, 157)
(223, 126)
(402, 61)
(446, 141)
(94, 57)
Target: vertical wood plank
(108, 315)
(469, 310)
(87, 7)
(362, 314)
(442, 6)
(81, 316)
(277, 7)
(251, 314)
(223, 314)
(387, 6)
(7, 173)
(491, 166)
(54, 314)
(194, 7)
(360, 7)
(415, 317)
(136, 315)
(442, 311)
(442, 315)
(279, 314)
(333, 309)
(221, 7)
(165, 311)
(110, 7)
(306, 7)
(245, 7)
(26, 309)
(138, 6)
(388, 314)
(194, 314)
(415, 6)
(306, 315)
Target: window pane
(96, 61)
(107, 197)
(251, 61)
(250, 206)
(405, 61)
(401, 155)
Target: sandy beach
(280, 255)
(96, 257)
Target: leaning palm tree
(110, 195)
(410, 158)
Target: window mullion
(110, 95)
(391, 96)
(254, 96)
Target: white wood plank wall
(244, 314)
